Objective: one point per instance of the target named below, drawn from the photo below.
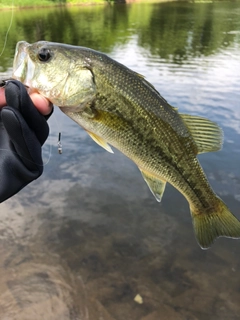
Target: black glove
(23, 131)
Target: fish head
(59, 72)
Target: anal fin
(100, 142)
(156, 185)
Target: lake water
(87, 237)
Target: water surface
(87, 237)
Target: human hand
(23, 131)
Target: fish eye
(44, 54)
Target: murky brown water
(87, 237)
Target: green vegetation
(32, 3)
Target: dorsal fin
(207, 135)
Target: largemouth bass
(118, 107)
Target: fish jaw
(23, 69)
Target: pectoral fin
(207, 134)
(156, 185)
(100, 141)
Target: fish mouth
(23, 67)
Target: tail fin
(209, 226)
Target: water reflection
(186, 31)
(174, 31)
(88, 237)
(96, 245)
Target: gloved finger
(17, 97)
(25, 142)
